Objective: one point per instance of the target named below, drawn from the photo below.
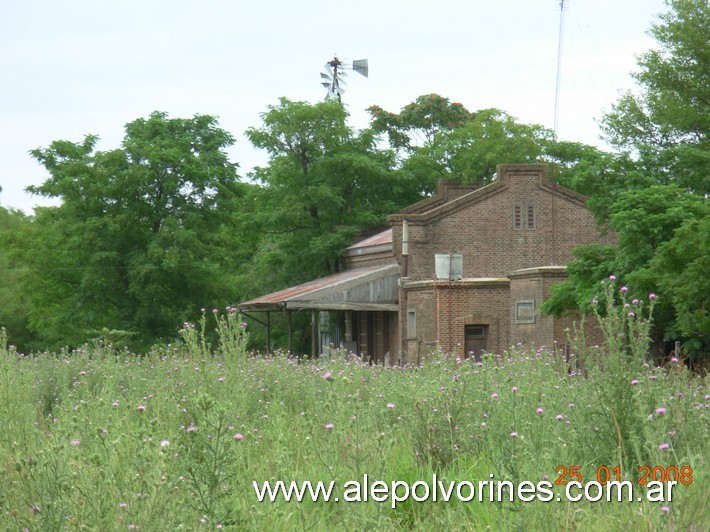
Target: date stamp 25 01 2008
(604, 474)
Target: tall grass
(106, 440)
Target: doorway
(475, 340)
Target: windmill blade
(335, 72)
(360, 66)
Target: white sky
(73, 67)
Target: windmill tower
(332, 78)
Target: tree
(655, 197)
(437, 139)
(13, 309)
(681, 268)
(324, 185)
(668, 124)
(472, 151)
(145, 234)
(419, 122)
(653, 228)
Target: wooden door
(475, 340)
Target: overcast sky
(75, 67)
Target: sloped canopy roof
(370, 288)
(382, 238)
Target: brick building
(464, 270)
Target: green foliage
(472, 151)
(612, 367)
(144, 236)
(13, 304)
(681, 268)
(649, 226)
(668, 123)
(437, 139)
(168, 441)
(325, 184)
(599, 175)
(231, 335)
(653, 194)
(419, 122)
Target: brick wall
(495, 241)
(480, 225)
(461, 303)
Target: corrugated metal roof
(308, 292)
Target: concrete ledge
(467, 282)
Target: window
(531, 217)
(475, 331)
(411, 324)
(523, 217)
(525, 311)
(517, 217)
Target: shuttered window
(531, 217)
(411, 324)
(517, 217)
(524, 217)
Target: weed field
(97, 439)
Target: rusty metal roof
(311, 295)
(385, 237)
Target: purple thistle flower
(663, 446)
(660, 411)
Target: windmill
(332, 78)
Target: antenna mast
(559, 64)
